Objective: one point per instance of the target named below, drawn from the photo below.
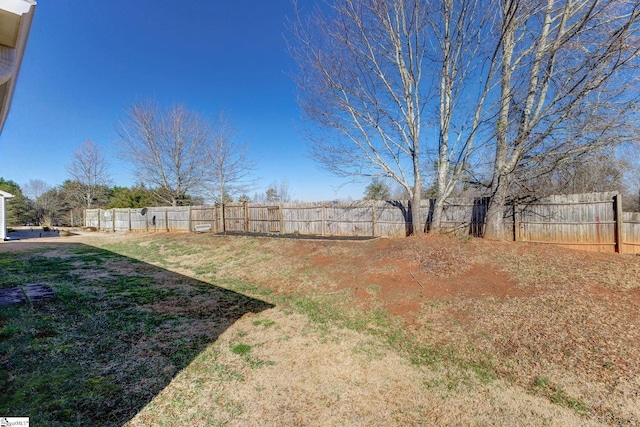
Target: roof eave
(5, 195)
(7, 87)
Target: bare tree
(542, 81)
(464, 70)
(228, 161)
(631, 155)
(361, 79)
(47, 201)
(89, 170)
(591, 172)
(564, 65)
(35, 188)
(167, 148)
(285, 192)
(278, 192)
(384, 69)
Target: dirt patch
(399, 274)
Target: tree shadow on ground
(117, 333)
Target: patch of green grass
(368, 349)
(543, 387)
(140, 289)
(248, 288)
(207, 363)
(484, 371)
(9, 331)
(224, 373)
(207, 270)
(317, 310)
(255, 363)
(264, 322)
(244, 350)
(429, 355)
(374, 288)
(23, 269)
(240, 349)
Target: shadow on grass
(115, 336)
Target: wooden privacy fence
(591, 221)
(360, 218)
(630, 232)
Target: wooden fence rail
(590, 221)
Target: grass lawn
(169, 329)
(116, 335)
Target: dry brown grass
(523, 334)
(329, 377)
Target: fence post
(617, 205)
(166, 218)
(113, 220)
(189, 222)
(322, 217)
(246, 216)
(146, 222)
(129, 219)
(281, 212)
(373, 218)
(516, 223)
(224, 226)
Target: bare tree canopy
(89, 170)
(167, 148)
(228, 161)
(36, 188)
(361, 81)
(463, 70)
(567, 86)
(536, 82)
(47, 201)
(277, 192)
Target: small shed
(4, 196)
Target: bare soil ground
(514, 334)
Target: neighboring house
(4, 196)
(15, 23)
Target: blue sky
(87, 61)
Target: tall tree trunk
(221, 183)
(442, 184)
(494, 227)
(416, 223)
(438, 215)
(501, 172)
